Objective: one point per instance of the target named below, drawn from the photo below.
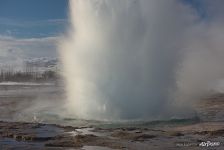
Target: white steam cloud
(129, 59)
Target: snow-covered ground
(25, 83)
(39, 64)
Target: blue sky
(43, 18)
(32, 18)
(31, 28)
(198, 5)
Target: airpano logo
(209, 144)
(196, 144)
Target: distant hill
(42, 63)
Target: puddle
(87, 131)
(8, 143)
(95, 148)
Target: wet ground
(35, 136)
(26, 125)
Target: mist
(138, 59)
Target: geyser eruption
(120, 57)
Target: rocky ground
(36, 136)
(204, 133)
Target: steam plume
(129, 59)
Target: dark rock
(132, 136)
(176, 134)
(212, 133)
(65, 142)
(144, 137)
